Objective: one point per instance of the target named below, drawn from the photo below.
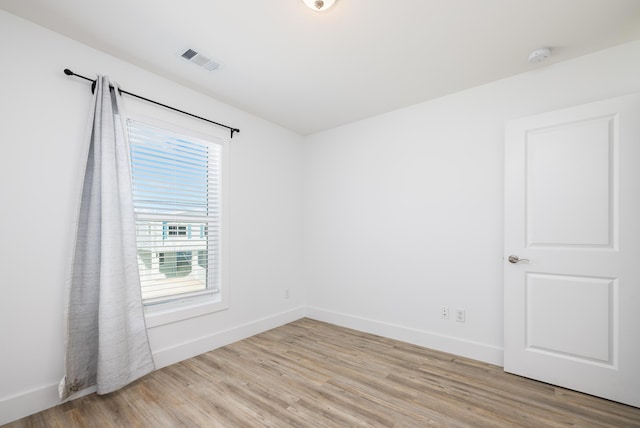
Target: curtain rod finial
(68, 72)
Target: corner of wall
(182, 351)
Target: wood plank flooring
(312, 374)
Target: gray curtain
(106, 336)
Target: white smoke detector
(200, 60)
(539, 55)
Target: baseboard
(453, 345)
(39, 399)
(182, 351)
(33, 401)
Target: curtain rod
(122, 91)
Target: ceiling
(310, 71)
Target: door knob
(516, 259)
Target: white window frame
(200, 303)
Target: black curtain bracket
(122, 91)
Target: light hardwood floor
(312, 374)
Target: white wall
(43, 117)
(404, 211)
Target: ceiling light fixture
(319, 5)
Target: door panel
(561, 306)
(568, 186)
(572, 212)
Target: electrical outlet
(460, 315)
(286, 293)
(444, 312)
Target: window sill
(167, 313)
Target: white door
(572, 210)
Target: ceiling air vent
(201, 60)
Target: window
(177, 230)
(178, 207)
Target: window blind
(177, 197)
